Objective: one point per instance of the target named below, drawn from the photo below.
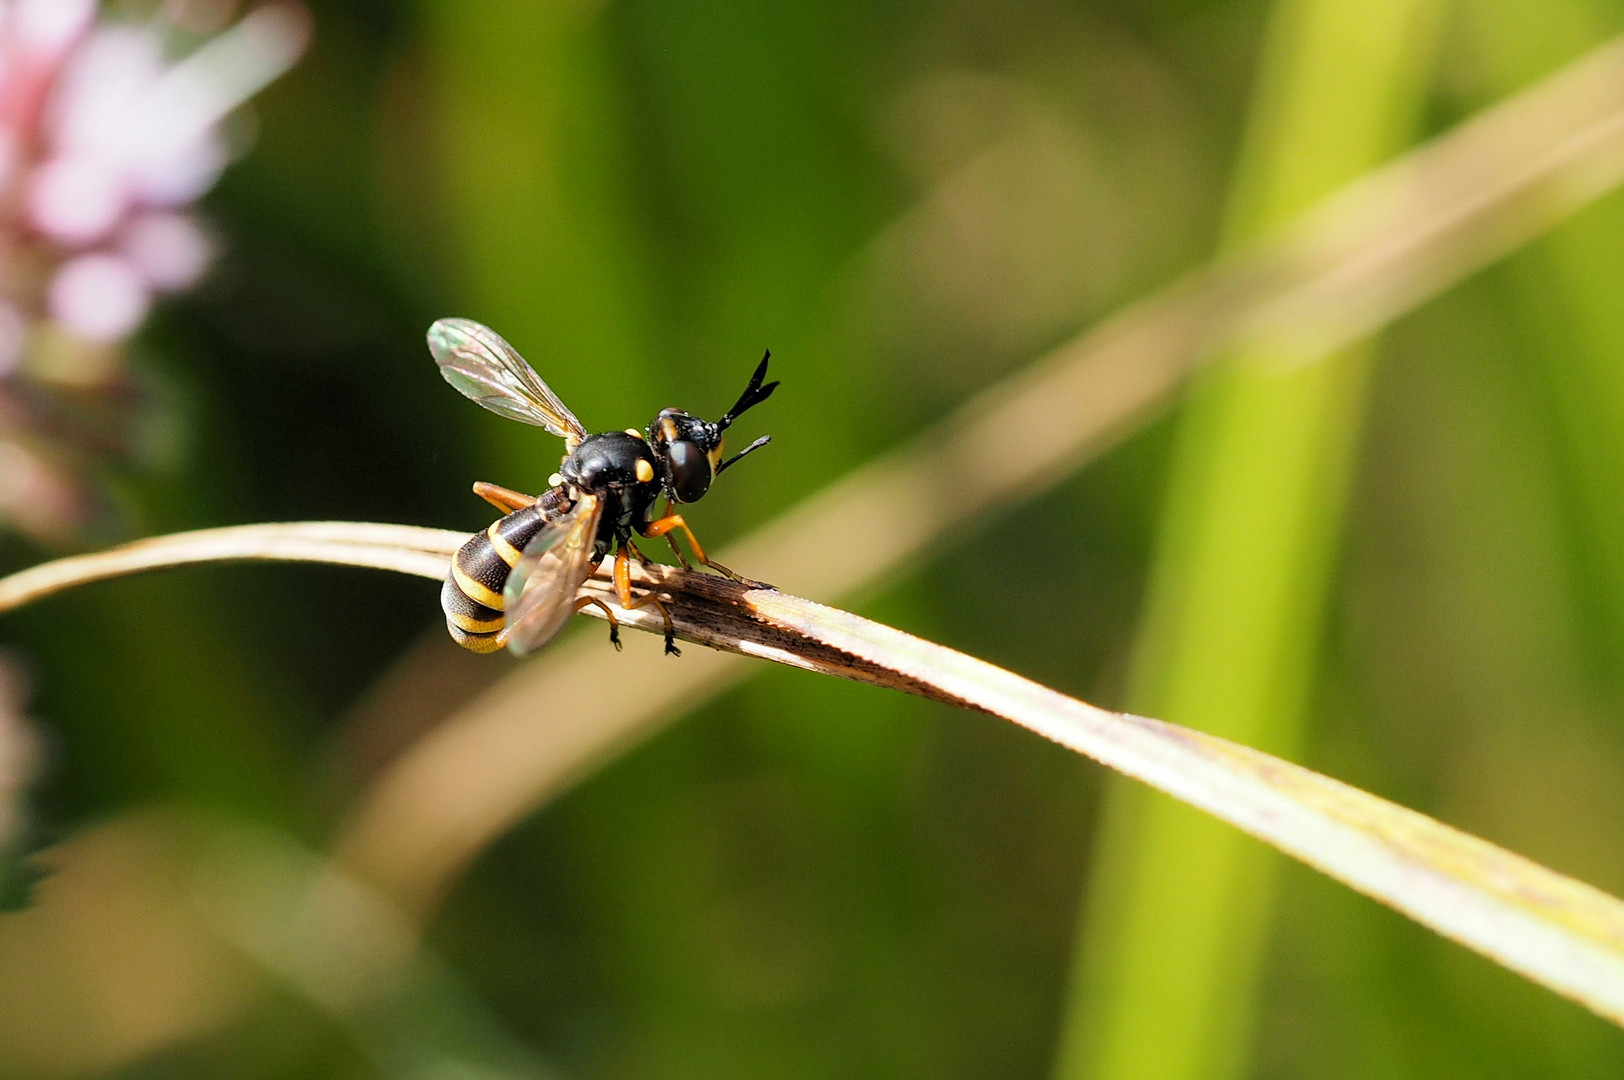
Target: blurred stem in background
(1563, 295)
(1171, 938)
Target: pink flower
(101, 297)
(107, 138)
(100, 127)
(170, 251)
(123, 130)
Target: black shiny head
(690, 449)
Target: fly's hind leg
(623, 593)
(504, 499)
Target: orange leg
(623, 593)
(504, 499)
(667, 525)
(671, 538)
(614, 623)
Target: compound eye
(690, 470)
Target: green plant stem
(1173, 930)
(1564, 296)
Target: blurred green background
(906, 202)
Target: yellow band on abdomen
(504, 550)
(476, 626)
(476, 592)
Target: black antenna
(757, 445)
(754, 394)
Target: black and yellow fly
(515, 584)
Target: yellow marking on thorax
(635, 433)
(504, 550)
(644, 471)
(476, 592)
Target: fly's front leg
(667, 527)
(623, 593)
(671, 538)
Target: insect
(515, 584)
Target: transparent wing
(474, 359)
(540, 593)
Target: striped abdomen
(472, 593)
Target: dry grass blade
(1555, 930)
(1550, 928)
(1368, 254)
(405, 549)
(1413, 228)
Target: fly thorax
(612, 461)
